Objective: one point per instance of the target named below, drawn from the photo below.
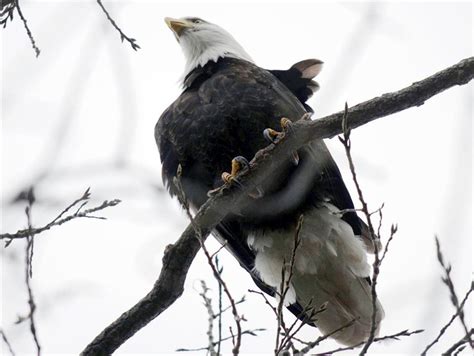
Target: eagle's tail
(330, 269)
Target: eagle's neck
(204, 50)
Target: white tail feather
(330, 266)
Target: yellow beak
(177, 25)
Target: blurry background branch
(460, 345)
(7, 343)
(61, 218)
(123, 36)
(8, 6)
(395, 336)
(28, 235)
(214, 346)
(459, 313)
(178, 257)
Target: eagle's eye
(197, 21)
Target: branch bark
(178, 257)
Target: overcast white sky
(89, 102)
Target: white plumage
(209, 43)
(330, 267)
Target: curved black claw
(295, 158)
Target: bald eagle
(226, 105)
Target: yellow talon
(238, 163)
(274, 136)
(227, 177)
(285, 123)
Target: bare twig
(377, 339)
(320, 339)
(252, 332)
(28, 275)
(237, 318)
(345, 140)
(284, 288)
(457, 345)
(459, 307)
(5, 340)
(123, 36)
(393, 231)
(449, 283)
(178, 257)
(221, 310)
(210, 312)
(59, 220)
(28, 31)
(448, 324)
(308, 314)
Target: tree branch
(5, 340)
(464, 340)
(123, 36)
(178, 257)
(59, 220)
(25, 24)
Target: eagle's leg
(274, 136)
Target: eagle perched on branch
(229, 109)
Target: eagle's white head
(202, 41)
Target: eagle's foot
(274, 136)
(239, 163)
(286, 124)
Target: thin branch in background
(393, 231)
(221, 310)
(28, 32)
(449, 283)
(284, 288)
(245, 332)
(320, 339)
(309, 313)
(28, 275)
(59, 220)
(123, 36)
(211, 348)
(459, 307)
(5, 340)
(459, 346)
(448, 324)
(29, 234)
(346, 141)
(377, 339)
(237, 318)
(210, 312)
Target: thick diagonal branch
(178, 257)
